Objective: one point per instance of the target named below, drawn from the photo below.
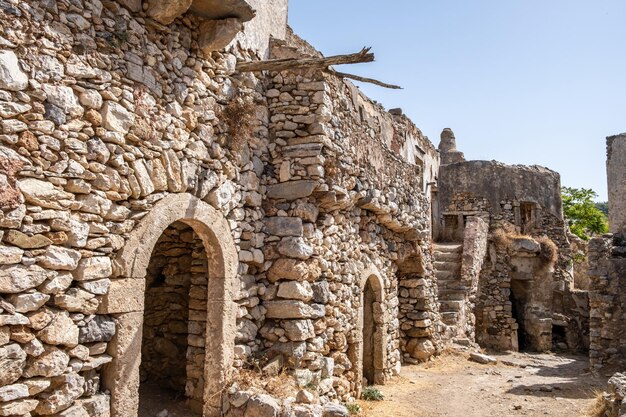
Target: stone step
(447, 256)
(449, 318)
(447, 266)
(451, 294)
(447, 276)
(448, 306)
(450, 248)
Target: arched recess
(371, 280)
(125, 300)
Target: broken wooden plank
(294, 63)
(364, 79)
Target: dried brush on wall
(549, 251)
(240, 118)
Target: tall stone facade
(165, 218)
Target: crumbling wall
(270, 22)
(522, 200)
(475, 245)
(607, 260)
(498, 182)
(514, 310)
(616, 174)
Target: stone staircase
(452, 291)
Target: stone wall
(270, 22)
(499, 182)
(607, 269)
(514, 308)
(104, 115)
(616, 174)
(607, 259)
(475, 246)
(341, 208)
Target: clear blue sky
(520, 81)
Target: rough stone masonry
(166, 219)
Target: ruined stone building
(517, 285)
(607, 260)
(168, 220)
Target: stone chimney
(447, 148)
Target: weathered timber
(364, 79)
(293, 63)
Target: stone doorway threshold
(156, 401)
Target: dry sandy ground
(519, 384)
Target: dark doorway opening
(526, 214)
(172, 350)
(559, 337)
(518, 298)
(368, 333)
(452, 229)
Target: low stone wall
(475, 244)
(240, 403)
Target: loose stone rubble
(167, 219)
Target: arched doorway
(369, 328)
(172, 350)
(369, 352)
(173, 289)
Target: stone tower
(447, 148)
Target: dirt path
(518, 385)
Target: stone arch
(125, 300)
(372, 277)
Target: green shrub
(372, 394)
(354, 409)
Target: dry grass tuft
(240, 117)
(504, 235)
(600, 406)
(282, 385)
(450, 350)
(549, 250)
(500, 238)
(10, 196)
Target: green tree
(603, 206)
(584, 218)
